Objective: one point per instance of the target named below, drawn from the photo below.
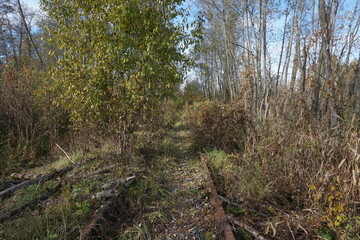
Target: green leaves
(118, 58)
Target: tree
(118, 59)
(28, 32)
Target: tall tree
(118, 59)
(327, 18)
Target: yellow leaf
(339, 208)
(330, 198)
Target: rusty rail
(215, 201)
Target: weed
(220, 160)
(291, 166)
(168, 147)
(246, 179)
(140, 232)
(236, 210)
(352, 229)
(209, 236)
(145, 190)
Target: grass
(50, 221)
(220, 160)
(296, 167)
(168, 146)
(246, 179)
(140, 232)
(65, 214)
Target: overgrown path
(168, 199)
(183, 210)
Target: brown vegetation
(302, 169)
(214, 124)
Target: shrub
(219, 125)
(28, 123)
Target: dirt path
(185, 210)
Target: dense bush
(297, 167)
(219, 125)
(28, 124)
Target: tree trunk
(28, 33)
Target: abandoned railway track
(185, 205)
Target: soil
(184, 209)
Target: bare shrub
(28, 125)
(219, 125)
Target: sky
(34, 4)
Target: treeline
(281, 57)
(87, 67)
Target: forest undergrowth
(301, 177)
(290, 180)
(167, 200)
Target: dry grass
(304, 170)
(214, 124)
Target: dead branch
(216, 203)
(39, 180)
(247, 227)
(29, 204)
(66, 154)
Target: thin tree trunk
(29, 34)
(357, 91)
(289, 47)
(327, 13)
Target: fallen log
(105, 194)
(33, 202)
(107, 213)
(216, 203)
(120, 182)
(23, 176)
(247, 227)
(90, 229)
(103, 170)
(40, 179)
(7, 183)
(113, 185)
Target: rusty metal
(216, 203)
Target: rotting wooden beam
(103, 170)
(100, 222)
(216, 203)
(29, 204)
(109, 211)
(112, 186)
(257, 235)
(40, 179)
